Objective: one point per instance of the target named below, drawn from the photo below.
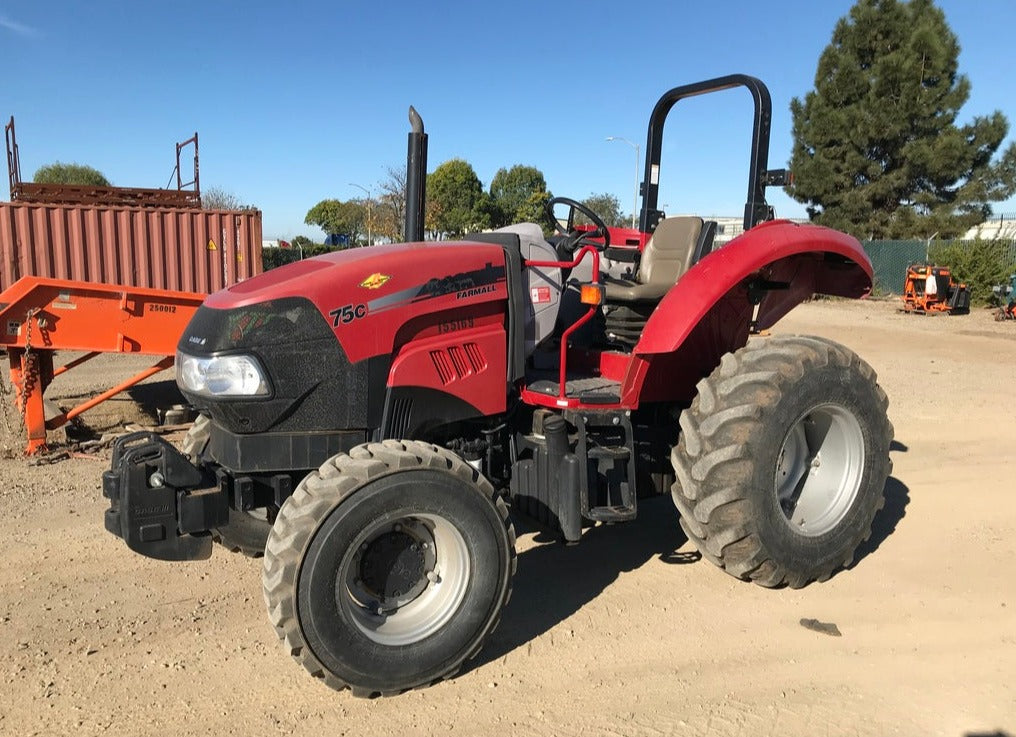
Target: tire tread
(311, 502)
(720, 434)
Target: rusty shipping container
(180, 249)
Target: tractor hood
(367, 295)
(294, 279)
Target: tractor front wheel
(388, 567)
(782, 460)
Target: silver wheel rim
(404, 578)
(818, 471)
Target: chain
(28, 375)
(28, 330)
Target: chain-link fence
(890, 259)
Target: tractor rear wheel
(782, 460)
(388, 567)
(246, 532)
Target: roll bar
(755, 209)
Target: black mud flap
(156, 500)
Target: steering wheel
(573, 239)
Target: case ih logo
(375, 281)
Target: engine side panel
(465, 356)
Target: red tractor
(370, 417)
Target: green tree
(534, 210)
(877, 151)
(337, 218)
(456, 202)
(514, 193)
(59, 173)
(607, 206)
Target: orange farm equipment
(930, 289)
(40, 316)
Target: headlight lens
(221, 376)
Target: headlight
(221, 376)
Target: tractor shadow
(897, 497)
(555, 580)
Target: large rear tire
(388, 567)
(782, 460)
(246, 532)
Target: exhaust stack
(416, 178)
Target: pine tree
(877, 151)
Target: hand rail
(563, 372)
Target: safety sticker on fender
(539, 295)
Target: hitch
(157, 500)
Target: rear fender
(708, 312)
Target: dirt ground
(628, 633)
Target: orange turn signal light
(591, 294)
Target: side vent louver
(443, 364)
(458, 362)
(398, 422)
(476, 358)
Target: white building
(1001, 226)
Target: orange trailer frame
(40, 316)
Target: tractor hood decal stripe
(464, 281)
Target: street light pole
(635, 200)
(367, 192)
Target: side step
(576, 465)
(606, 440)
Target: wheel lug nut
(433, 577)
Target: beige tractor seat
(674, 247)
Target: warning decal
(539, 295)
(211, 245)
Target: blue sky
(295, 101)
